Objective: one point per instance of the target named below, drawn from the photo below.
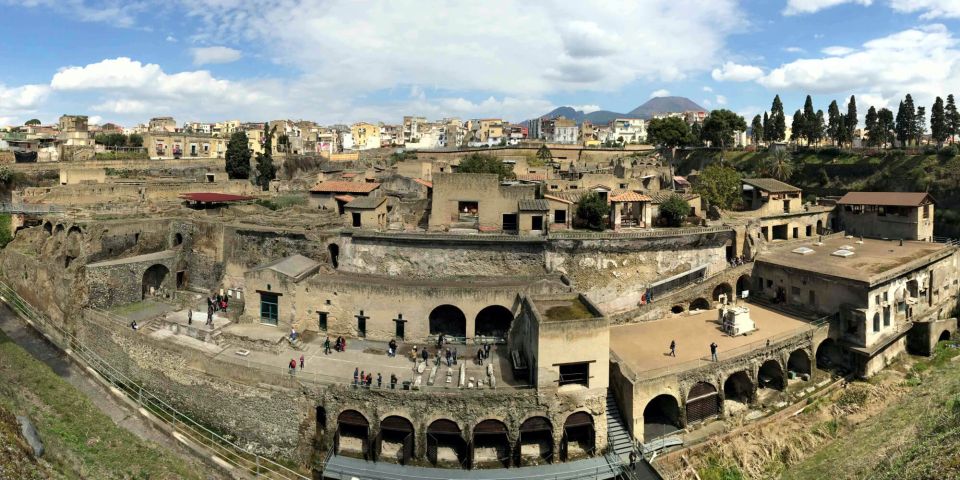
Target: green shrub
(282, 202)
(947, 152)
(5, 235)
(592, 210)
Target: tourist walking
(447, 355)
(301, 362)
(713, 351)
(673, 348)
(379, 380)
(189, 316)
(326, 345)
(486, 350)
(393, 381)
(293, 366)
(356, 372)
(480, 356)
(424, 354)
(392, 348)
(210, 316)
(454, 355)
(369, 379)
(293, 334)
(633, 460)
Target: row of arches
(663, 415)
(489, 444)
(493, 321)
(701, 303)
(50, 229)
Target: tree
(670, 132)
(696, 134)
(238, 156)
(135, 140)
(720, 127)
(485, 163)
(834, 123)
(871, 126)
(938, 122)
(767, 126)
(904, 124)
(674, 209)
(779, 121)
(592, 210)
(819, 127)
(32, 122)
(885, 126)
(953, 118)
(797, 127)
(809, 120)
(719, 186)
(756, 130)
(543, 153)
(266, 171)
(920, 124)
(851, 119)
(779, 165)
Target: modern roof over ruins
(344, 187)
(872, 260)
(891, 199)
(771, 185)
(296, 266)
(366, 203)
(212, 197)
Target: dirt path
(32, 342)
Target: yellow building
(490, 130)
(365, 136)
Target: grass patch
(129, 308)
(282, 202)
(718, 470)
(5, 235)
(576, 310)
(134, 155)
(81, 441)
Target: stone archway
(819, 227)
(445, 444)
(828, 355)
(491, 445)
(352, 435)
(703, 402)
(494, 323)
(739, 388)
(48, 227)
(395, 441)
(721, 289)
(535, 445)
(743, 284)
(154, 280)
(177, 239)
(661, 417)
(700, 304)
(579, 437)
(334, 250)
(944, 336)
(676, 309)
(771, 375)
(799, 362)
(448, 320)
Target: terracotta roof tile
(893, 199)
(630, 197)
(425, 183)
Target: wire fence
(222, 448)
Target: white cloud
(663, 92)
(734, 72)
(930, 8)
(721, 100)
(117, 13)
(794, 50)
(707, 89)
(923, 61)
(23, 98)
(799, 7)
(132, 87)
(586, 108)
(837, 51)
(217, 54)
(473, 47)
(706, 102)
(94, 120)
(171, 39)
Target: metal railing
(652, 233)
(613, 468)
(222, 448)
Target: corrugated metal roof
(534, 205)
(771, 185)
(366, 203)
(893, 199)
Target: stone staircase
(619, 440)
(295, 344)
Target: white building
(627, 130)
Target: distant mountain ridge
(645, 111)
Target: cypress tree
(767, 126)
(779, 120)
(834, 122)
(938, 122)
(871, 126)
(808, 120)
(953, 117)
(920, 124)
(851, 120)
(756, 128)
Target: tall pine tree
(809, 120)
(820, 126)
(798, 127)
(885, 126)
(953, 118)
(871, 126)
(266, 171)
(756, 130)
(767, 133)
(834, 122)
(904, 124)
(938, 122)
(779, 120)
(920, 124)
(851, 119)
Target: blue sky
(342, 61)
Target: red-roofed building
(324, 194)
(213, 197)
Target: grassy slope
(903, 441)
(80, 440)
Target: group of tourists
(713, 350)
(340, 345)
(292, 366)
(483, 353)
(737, 261)
(363, 379)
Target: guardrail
(652, 233)
(223, 449)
